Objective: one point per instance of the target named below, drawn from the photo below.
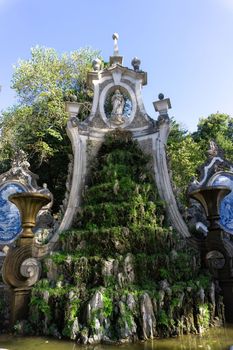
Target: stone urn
(29, 204)
(210, 198)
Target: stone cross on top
(116, 59)
(115, 37)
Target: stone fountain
(20, 270)
(218, 248)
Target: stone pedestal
(217, 247)
(19, 301)
(227, 292)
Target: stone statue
(20, 172)
(45, 190)
(213, 150)
(118, 103)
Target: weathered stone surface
(127, 328)
(148, 317)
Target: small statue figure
(45, 190)
(213, 150)
(118, 103)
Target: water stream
(214, 339)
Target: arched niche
(130, 104)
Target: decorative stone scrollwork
(20, 172)
(31, 269)
(68, 184)
(215, 260)
(20, 270)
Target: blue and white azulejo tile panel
(226, 207)
(10, 222)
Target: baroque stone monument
(118, 103)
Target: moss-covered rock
(122, 273)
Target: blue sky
(186, 46)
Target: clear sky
(186, 46)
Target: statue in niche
(118, 103)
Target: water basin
(214, 339)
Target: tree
(185, 157)
(37, 123)
(188, 151)
(217, 127)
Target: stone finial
(72, 108)
(162, 105)
(116, 58)
(161, 96)
(136, 64)
(115, 37)
(96, 64)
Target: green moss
(41, 305)
(108, 305)
(203, 317)
(121, 214)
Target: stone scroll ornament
(20, 269)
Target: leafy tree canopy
(188, 151)
(185, 157)
(217, 127)
(37, 123)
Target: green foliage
(37, 124)
(188, 151)
(108, 305)
(203, 316)
(123, 248)
(217, 127)
(41, 305)
(185, 156)
(163, 319)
